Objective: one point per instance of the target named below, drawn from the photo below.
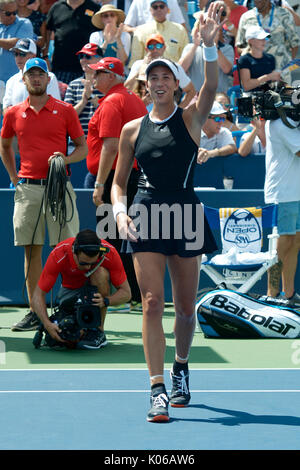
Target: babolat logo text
(221, 302)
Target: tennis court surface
(245, 393)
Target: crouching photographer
(89, 267)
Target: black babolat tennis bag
(223, 313)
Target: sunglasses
(217, 118)
(108, 15)
(9, 13)
(20, 54)
(158, 45)
(160, 6)
(86, 56)
(103, 72)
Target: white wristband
(117, 208)
(210, 54)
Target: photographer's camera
(71, 319)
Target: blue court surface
(92, 409)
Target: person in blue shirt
(12, 28)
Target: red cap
(90, 49)
(112, 64)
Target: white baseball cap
(256, 32)
(217, 108)
(166, 63)
(25, 45)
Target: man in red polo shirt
(82, 260)
(116, 108)
(42, 125)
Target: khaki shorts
(30, 221)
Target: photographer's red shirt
(61, 262)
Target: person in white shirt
(15, 91)
(139, 13)
(216, 140)
(282, 188)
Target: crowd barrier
(247, 172)
(12, 275)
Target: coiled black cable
(56, 192)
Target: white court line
(146, 391)
(145, 369)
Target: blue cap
(35, 62)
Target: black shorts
(171, 223)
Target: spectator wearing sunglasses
(139, 14)
(216, 140)
(12, 28)
(80, 92)
(174, 34)
(113, 40)
(155, 48)
(16, 91)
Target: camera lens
(87, 316)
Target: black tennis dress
(166, 210)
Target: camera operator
(83, 261)
(282, 188)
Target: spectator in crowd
(234, 13)
(70, 22)
(113, 40)
(254, 140)
(41, 124)
(82, 261)
(118, 106)
(139, 88)
(16, 91)
(193, 63)
(81, 93)
(174, 34)
(216, 140)
(155, 48)
(139, 13)
(224, 100)
(38, 21)
(256, 67)
(276, 21)
(282, 188)
(12, 28)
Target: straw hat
(97, 20)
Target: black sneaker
(92, 339)
(30, 322)
(159, 408)
(180, 394)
